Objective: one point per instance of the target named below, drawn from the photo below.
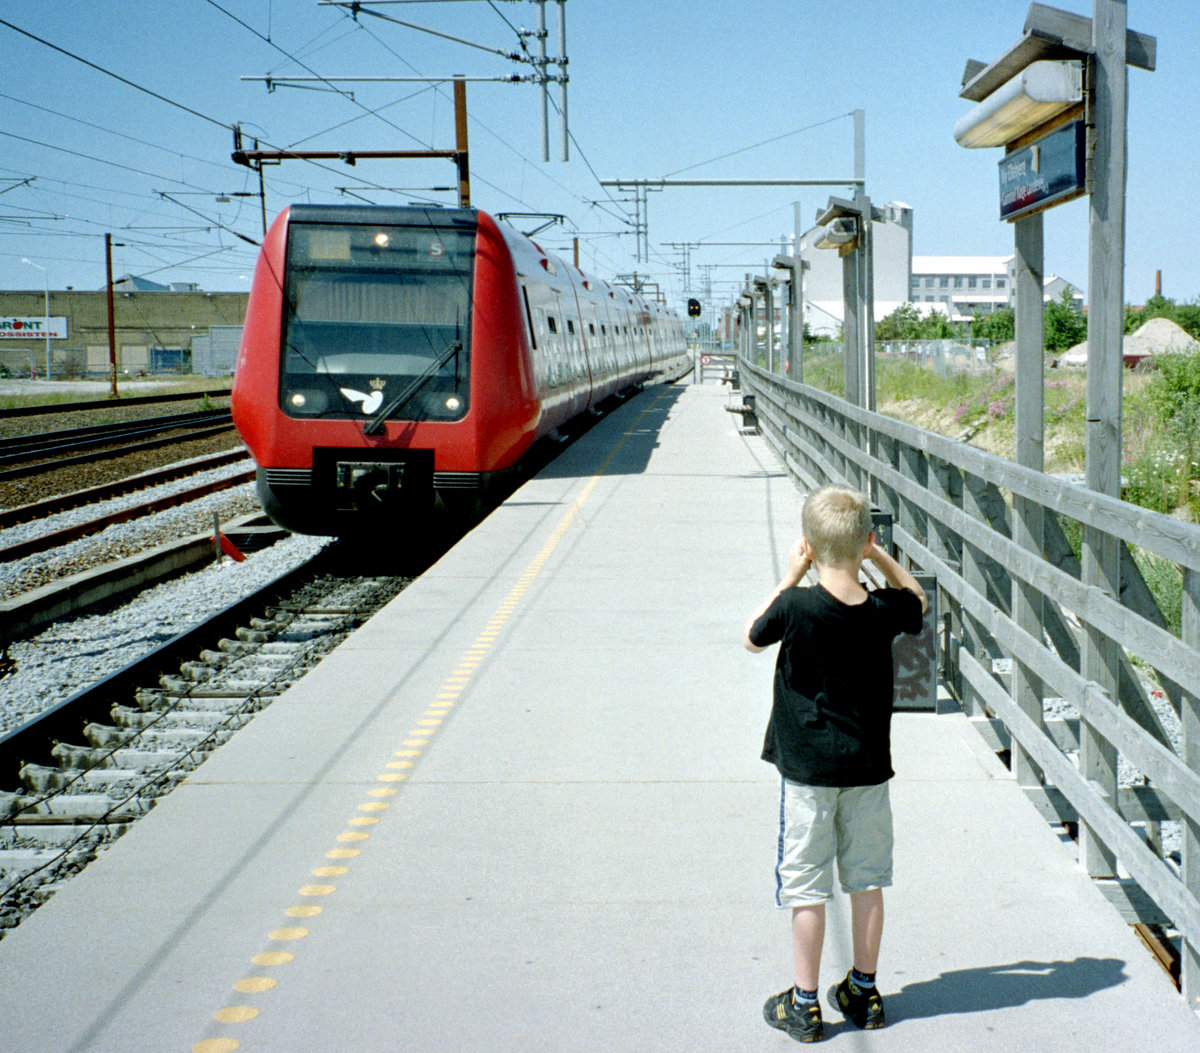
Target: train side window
(553, 324)
(571, 326)
(529, 319)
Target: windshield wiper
(375, 425)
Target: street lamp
(46, 322)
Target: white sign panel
(37, 328)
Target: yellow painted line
(449, 692)
(235, 1014)
(289, 934)
(254, 984)
(304, 911)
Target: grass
(1158, 465)
(980, 409)
(55, 395)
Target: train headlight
(307, 403)
(453, 403)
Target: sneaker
(804, 1025)
(864, 1008)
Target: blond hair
(837, 524)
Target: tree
(998, 326)
(906, 322)
(1064, 323)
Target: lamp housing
(1031, 99)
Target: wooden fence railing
(1020, 620)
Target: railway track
(53, 539)
(74, 779)
(23, 455)
(90, 495)
(43, 409)
(46, 576)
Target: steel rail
(45, 542)
(18, 448)
(33, 741)
(46, 408)
(105, 454)
(76, 498)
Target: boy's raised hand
(896, 575)
(799, 561)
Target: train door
(576, 379)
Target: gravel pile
(67, 657)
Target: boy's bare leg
(866, 925)
(808, 936)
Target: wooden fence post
(1190, 719)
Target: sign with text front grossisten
(1045, 173)
(34, 328)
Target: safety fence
(1079, 680)
(945, 357)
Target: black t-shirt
(831, 718)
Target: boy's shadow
(1002, 987)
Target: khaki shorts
(818, 824)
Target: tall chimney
(1158, 283)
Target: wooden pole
(112, 323)
(1190, 720)
(1028, 526)
(460, 142)
(1107, 80)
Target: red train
(398, 360)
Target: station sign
(1044, 173)
(37, 328)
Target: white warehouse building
(958, 286)
(964, 286)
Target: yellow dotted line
(397, 770)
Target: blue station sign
(1045, 173)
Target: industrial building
(963, 286)
(958, 286)
(157, 329)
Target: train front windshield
(377, 321)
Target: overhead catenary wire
(755, 146)
(610, 210)
(115, 76)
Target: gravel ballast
(69, 656)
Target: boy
(828, 736)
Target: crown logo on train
(377, 383)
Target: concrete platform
(523, 809)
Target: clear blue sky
(656, 88)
